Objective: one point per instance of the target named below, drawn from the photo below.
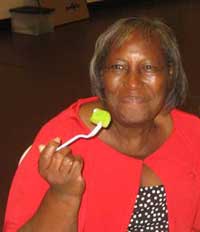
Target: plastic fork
(94, 132)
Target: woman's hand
(62, 170)
(59, 208)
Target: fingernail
(57, 140)
(41, 147)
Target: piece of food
(102, 116)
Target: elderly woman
(140, 174)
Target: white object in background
(24, 154)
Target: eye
(118, 67)
(149, 68)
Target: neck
(133, 131)
(133, 140)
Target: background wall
(94, 1)
(5, 5)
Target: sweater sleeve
(196, 226)
(26, 192)
(28, 187)
(189, 126)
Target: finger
(65, 151)
(57, 160)
(58, 157)
(47, 153)
(77, 166)
(41, 147)
(66, 165)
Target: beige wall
(5, 5)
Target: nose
(133, 80)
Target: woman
(140, 174)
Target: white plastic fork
(94, 132)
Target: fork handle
(76, 137)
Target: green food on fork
(100, 116)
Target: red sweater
(112, 178)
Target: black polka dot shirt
(150, 211)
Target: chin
(130, 119)
(127, 113)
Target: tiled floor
(42, 75)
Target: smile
(134, 100)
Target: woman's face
(136, 80)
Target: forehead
(148, 44)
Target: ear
(170, 73)
(171, 70)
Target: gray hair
(117, 33)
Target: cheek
(158, 84)
(111, 85)
(163, 87)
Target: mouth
(134, 100)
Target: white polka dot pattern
(150, 211)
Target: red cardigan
(112, 178)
